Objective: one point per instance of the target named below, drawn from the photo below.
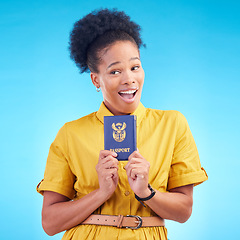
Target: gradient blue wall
(191, 63)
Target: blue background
(192, 64)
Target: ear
(95, 79)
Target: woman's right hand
(107, 170)
(60, 213)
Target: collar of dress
(139, 112)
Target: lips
(127, 94)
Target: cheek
(108, 88)
(141, 77)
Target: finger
(140, 176)
(105, 153)
(134, 174)
(128, 170)
(133, 169)
(106, 165)
(115, 176)
(136, 162)
(108, 158)
(139, 169)
(110, 164)
(135, 154)
(132, 161)
(137, 174)
(111, 174)
(129, 165)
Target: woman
(86, 190)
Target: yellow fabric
(163, 138)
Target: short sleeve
(58, 176)
(185, 167)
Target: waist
(120, 221)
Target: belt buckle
(139, 221)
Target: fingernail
(114, 154)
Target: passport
(120, 135)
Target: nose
(128, 78)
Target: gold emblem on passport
(119, 133)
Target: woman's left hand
(137, 170)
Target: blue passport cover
(120, 135)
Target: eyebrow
(131, 59)
(135, 58)
(114, 63)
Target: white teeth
(128, 92)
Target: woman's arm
(174, 205)
(59, 213)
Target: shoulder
(168, 119)
(83, 120)
(167, 115)
(80, 125)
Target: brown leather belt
(129, 221)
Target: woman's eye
(115, 72)
(135, 68)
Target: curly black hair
(96, 31)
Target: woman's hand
(174, 205)
(107, 170)
(60, 213)
(137, 170)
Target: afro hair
(96, 31)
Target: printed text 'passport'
(120, 135)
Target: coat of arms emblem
(119, 133)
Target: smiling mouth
(129, 94)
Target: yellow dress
(163, 138)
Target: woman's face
(120, 77)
